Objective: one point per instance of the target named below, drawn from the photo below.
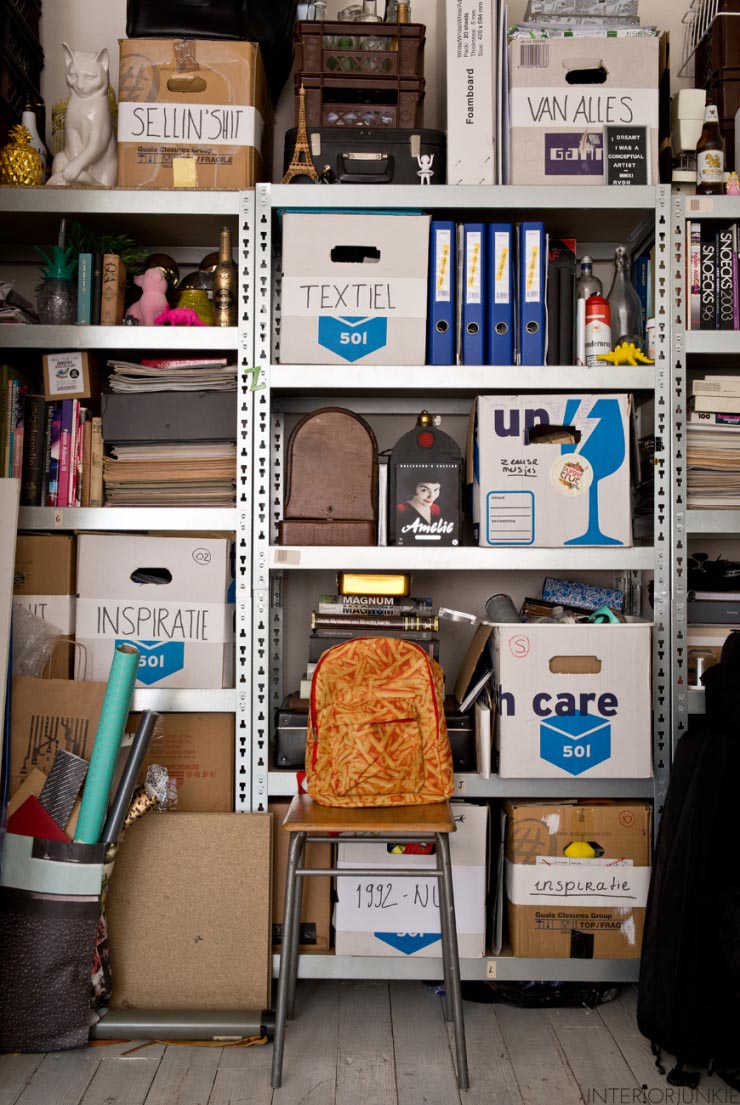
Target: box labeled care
(167, 596)
(576, 878)
(573, 700)
(550, 470)
(563, 92)
(192, 113)
(400, 917)
(354, 288)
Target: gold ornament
(626, 353)
(20, 164)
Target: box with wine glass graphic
(550, 470)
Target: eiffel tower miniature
(301, 163)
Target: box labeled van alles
(400, 917)
(573, 700)
(167, 596)
(354, 288)
(532, 487)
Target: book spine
(113, 290)
(714, 418)
(18, 431)
(351, 621)
(725, 310)
(86, 447)
(55, 436)
(33, 450)
(75, 496)
(708, 320)
(65, 435)
(84, 288)
(96, 289)
(9, 423)
(693, 235)
(218, 362)
(333, 632)
(96, 462)
(399, 604)
(372, 611)
(735, 295)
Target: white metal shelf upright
(635, 215)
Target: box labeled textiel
(400, 917)
(588, 903)
(471, 86)
(192, 113)
(69, 376)
(167, 596)
(44, 582)
(550, 470)
(563, 92)
(354, 288)
(573, 700)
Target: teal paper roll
(116, 706)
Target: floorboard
(124, 1080)
(592, 1054)
(425, 1073)
(185, 1076)
(61, 1078)
(243, 1077)
(542, 1073)
(492, 1078)
(365, 1064)
(15, 1072)
(310, 1058)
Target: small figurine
(733, 185)
(20, 164)
(301, 163)
(153, 301)
(625, 353)
(178, 316)
(89, 154)
(426, 172)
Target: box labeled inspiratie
(563, 92)
(192, 113)
(167, 596)
(532, 488)
(354, 288)
(573, 700)
(400, 917)
(586, 907)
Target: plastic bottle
(586, 285)
(624, 303)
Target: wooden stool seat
(306, 821)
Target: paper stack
(171, 474)
(713, 443)
(209, 374)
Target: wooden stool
(311, 823)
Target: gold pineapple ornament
(20, 164)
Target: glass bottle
(710, 156)
(225, 284)
(624, 303)
(588, 284)
(29, 120)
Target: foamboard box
(192, 113)
(316, 897)
(182, 627)
(400, 917)
(198, 752)
(354, 288)
(69, 376)
(471, 84)
(573, 700)
(529, 492)
(44, 582)
(590, 908)
(558, 114)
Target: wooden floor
(374, 1043)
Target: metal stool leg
(281, 1009)
(296, 930)
(447, 914)
(446, 965)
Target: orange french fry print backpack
(376, 726)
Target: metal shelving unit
(631, 214)
(116, 338)
(112, 519)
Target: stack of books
(101, 289)
(713, 443)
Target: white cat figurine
(89, 154)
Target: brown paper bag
(47, 714)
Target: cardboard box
(198, 751)
(558, 113)
(354, 288)
(44, 582)
(529, 492)
(590, 908)
(182, 625)
(471, 91)
(573, 700)
(189, 913)
(192, 113)
(70, 376)
(316, 899)
(400, 917)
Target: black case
(359, 155)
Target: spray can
(598, 329)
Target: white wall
(90, 25)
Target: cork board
(189, 913)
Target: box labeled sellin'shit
(354, 289)
(550, 470)
(192, 113)
(573, 700)
(167, 596)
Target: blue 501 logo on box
(354, 288)
(573, 700)
(157, 659)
